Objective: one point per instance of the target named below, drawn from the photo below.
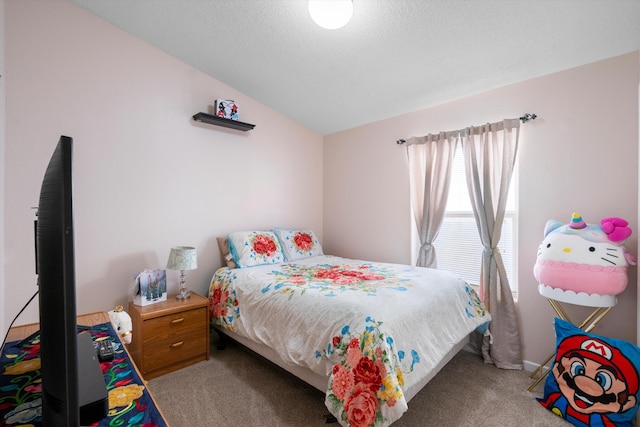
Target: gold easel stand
(587, 325)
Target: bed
(369, 335)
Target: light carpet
(236, 387)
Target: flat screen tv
(57, 294)
(73, 389)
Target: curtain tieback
(490, 251)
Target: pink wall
(146, 176)
(581, 154)
(141, 163)
(3, 327)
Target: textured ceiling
(394, 57)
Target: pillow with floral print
(298, 244)
(250, 248)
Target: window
(458, 247)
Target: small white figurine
(121, 322)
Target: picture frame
(150, 287)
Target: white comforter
(374, 329)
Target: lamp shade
(182, 258)
(331, 14)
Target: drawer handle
(177, 344)
(180, 320)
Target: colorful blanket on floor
(130, 403)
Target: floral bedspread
(372, 329)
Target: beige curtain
(430, 159)
(490, 154)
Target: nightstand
(169, 335)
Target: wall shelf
(219, 121)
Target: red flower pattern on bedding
(366, 382)
(343, 381)
(218, 308)
(263, 245)
(303, 241)
(293, 278)
(366, 371)
(342, 276)
(223, 304)
(361, 406)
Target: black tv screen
(57, 298)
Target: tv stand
(18, 333)
(26, 340)
(94, 399)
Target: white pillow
(250, 248)
(298, 244)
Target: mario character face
(595, 377)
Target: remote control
(105, 350)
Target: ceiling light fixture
(331, 14)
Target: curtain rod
(525, 118)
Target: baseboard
(531, 366)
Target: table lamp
(182, 258)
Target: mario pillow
(593, 379)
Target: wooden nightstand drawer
(169, 335)
(172, 325)
(171, 351)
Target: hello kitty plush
(578, 258)
(122, 324)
